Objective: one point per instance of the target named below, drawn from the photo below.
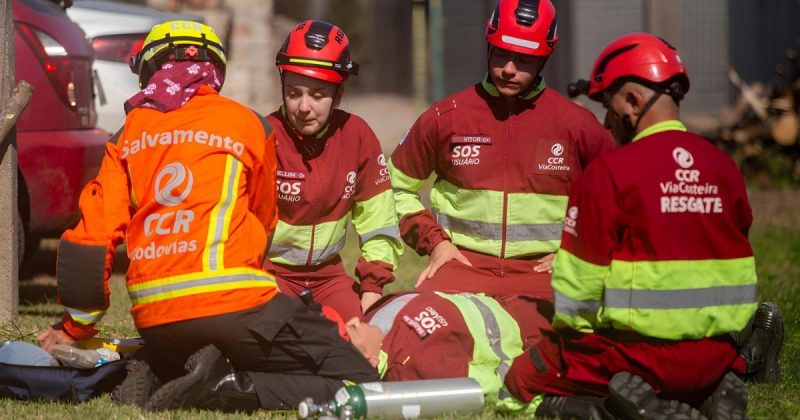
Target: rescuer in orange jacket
(330, 171)
(505, 153)
(189, 185)
(655, 271)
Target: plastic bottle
(26, 354)
(119, 345)
(80, 358)
(408, 399)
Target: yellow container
(119, 345)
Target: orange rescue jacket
(192, 192)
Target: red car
(59, 150)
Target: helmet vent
(552, 33)
(601, 67)
(494, 20)
(527, 12)
(317, 35)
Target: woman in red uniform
(330, 171)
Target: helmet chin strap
(646, 108)
(627, 130)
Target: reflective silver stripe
(85, 317)
(493, 333)
(188, 284)
(681, 298)
(299, 256)
(230, 197)
(384, 317)
(569, 306)
(490, 230)
(390, 231)
(534, 232)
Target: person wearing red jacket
(189, 185)
(505, 152)
(330, 171)
(655, 271)
(433, 335)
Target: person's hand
(442, 253)
(367, 299)
(545, 264)
(52, 336)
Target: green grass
(775, 237)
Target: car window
(45, 6)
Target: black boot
(729, 400)
(572, 407)
(210, 383)
(763, 345)
(630, 397)
(138, 386)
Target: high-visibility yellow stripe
(85, 318)
(199, 289)
(291, 243)
(307, 61)
(198, 275)
(219, 222)
(673, 300)
(660, 127)
(405, 189)
(232, 195)
(196, 283)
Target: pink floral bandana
(172, 86)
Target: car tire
(27, 248)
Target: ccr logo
(174, 176)
(175, 173)
(350, 189)
(571, 221)
(685, 160)
(557, 149)
(573, 212)
(683, 157)
(383, 174)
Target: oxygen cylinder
(407, 399)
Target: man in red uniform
(433, 335)
(655, 271)
(505, 153)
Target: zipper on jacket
(505, 193)
(319, 207)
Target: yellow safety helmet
(174, 37)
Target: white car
(116, 31)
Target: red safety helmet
(317, 49)
(523, 26)
(642, 57)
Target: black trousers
(289, 350)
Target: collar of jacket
(659, 127)
(320, 134)
(536, 88)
